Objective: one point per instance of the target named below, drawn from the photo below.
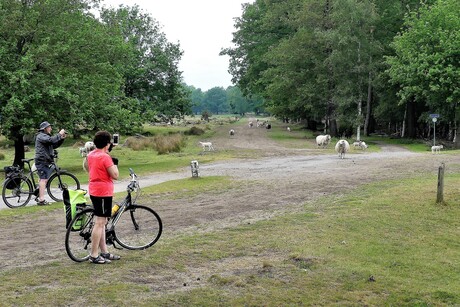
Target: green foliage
(59, 72)
(215, 100)
(150, 72)
(60, 63)
(326, 60)
(426, 64)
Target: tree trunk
(333, 127)
(368, 105)
(19, 152)
(411, 119)
(403, 129)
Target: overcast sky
(202, 28)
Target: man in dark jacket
(44, 155)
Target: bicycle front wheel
(138, 227)
(57, 183)
(78, 235)
(17, 192)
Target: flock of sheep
(341, 147)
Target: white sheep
(207, 145)
(436, 149)
(323, 140)
(89, 146)
(251, 124)
(231, 132)
(288, 129)
(360, 144)
(342, 147)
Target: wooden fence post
(440, 195)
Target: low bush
(140, 143)
(194, 131)
(163, 144)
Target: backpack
(74, 202)
(13, 172)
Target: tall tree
(56, 65)
(262, 25)
(150, 71)
(238, 104)
(427, 61)
(215, 100)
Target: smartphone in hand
(116, 138)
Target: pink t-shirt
(100, 182)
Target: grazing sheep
(436, 149)
(360, 144)
(231, 132)
(207, 145)
(251, 124)
(288, 129)
(323, 140)
(342, 147)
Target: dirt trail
(279, 180)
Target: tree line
(83, 67)
(218, 100)
(352, 65)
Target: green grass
(387, 243)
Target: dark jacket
(44, 147)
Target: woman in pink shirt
(102, 171)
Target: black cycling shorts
(102, 205)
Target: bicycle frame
(30, 173)
(139, 229)
(127, 201)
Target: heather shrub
(163, 144)
(169, 143)
(194, 131)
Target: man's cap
(44, 125)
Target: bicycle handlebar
(133, 184)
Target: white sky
(202, 28)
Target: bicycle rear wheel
(55, 187)
(17, 192)
(78, 235)
(138, 227)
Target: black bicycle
(20, 185)
(133, 226)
